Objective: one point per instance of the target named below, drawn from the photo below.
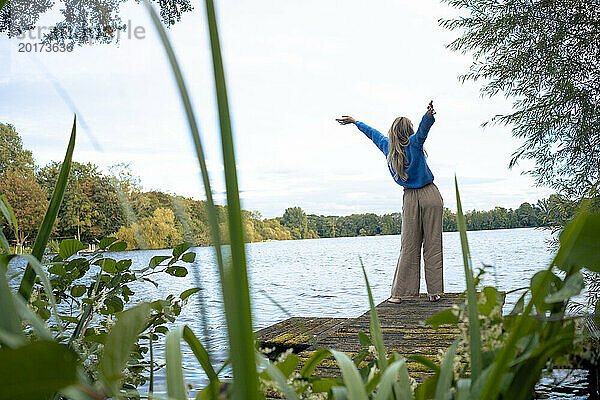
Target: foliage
(29, 199)
(159, 231)
(12, 154)
(82, 22)
(90, 208)
(97, 205)
(544, 54)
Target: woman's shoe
(395, 300)
(434, 297)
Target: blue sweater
(416, 167)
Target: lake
(323, 277)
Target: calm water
(322, 277)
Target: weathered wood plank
(402, 327)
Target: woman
(421, 208)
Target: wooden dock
(402, 325)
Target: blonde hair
(399, 136)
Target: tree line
(98, 205)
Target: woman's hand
(345, 120)
(430, 110)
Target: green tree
(545, 55)
(91, 208)
(12, 153)
(29, 201)
(296, 221)
(159, 231)
(83, 21)
(448, 220)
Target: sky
(292, 68)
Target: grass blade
(9, 320)
(203, 358)
(41, 240)
(36, 370)
(313, 362)
(235, 282)
(352, 379)
(446, 373)
(235, 287)
(474, 333)
(34, 320)
(119, 344)
(194, 131)
(278, 377)
(9, 214)
(395, 370)
(37, 268)
(175, 383)
(374, 325)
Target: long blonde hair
(399, 136)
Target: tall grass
(41, 240)
(233, 274)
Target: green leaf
(579, 243)
(117, 247)
(352, 379)
(4, 209)
(187, 293)
(374, 325)
(543, 284)
(426, 390)
(107, 241)
(68, 247)
(289, 365)
(188, 257)
(78, 290)
(446, 317)
(313, 362)
(161, 329)
(180, 249)
(425, 361)
(107, 264)
(66, 318)
(123, 265)
(3, 241)
(339, 393)
(36, 370)
(474, 332)
(493, 298)
(444, 383)
(363, 339)
(114, 304)
(27, 314)
(278, 377)
(58, 269)
(156, 260)
(572, 287)
(41, 240)
(175, 383)
(518, 308)
(9, 214)
(389, 378)
(119, 344)
(177, 271)
(9, 319)
(39, 271)
(463, 389)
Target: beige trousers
(422, 210)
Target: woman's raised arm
(380, 140)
